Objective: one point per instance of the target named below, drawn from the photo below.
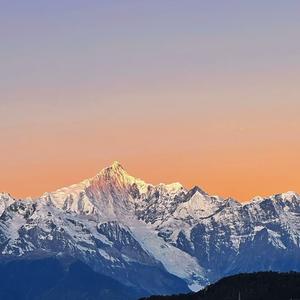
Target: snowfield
(128, 229)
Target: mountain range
(154, 239)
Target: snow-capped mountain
(157, 239)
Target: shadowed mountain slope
(49, 278)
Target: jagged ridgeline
(161, 239)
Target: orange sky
(205, 94)
(239, 152)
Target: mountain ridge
(126, 228)
(117, 168)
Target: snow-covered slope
(134, 231)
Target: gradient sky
(201, 92)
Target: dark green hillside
(255, 286)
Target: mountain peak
(196, 189)
(6, 195)
(114, 170)
(290, 195)
(116, 166)
(117, 176)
